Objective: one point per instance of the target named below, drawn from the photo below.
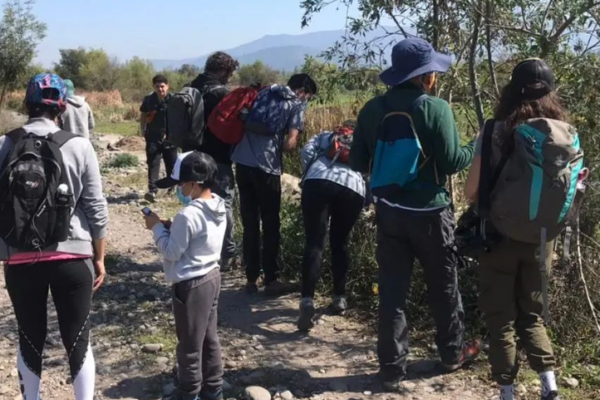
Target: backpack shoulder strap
(485, 175)
(61, 137)
(17, 135)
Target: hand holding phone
(151, 218)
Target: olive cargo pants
(511, 298)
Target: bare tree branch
(472, 71)
(488, 37)
(545, 18)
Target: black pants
(260, 200)
(70, 283)
(155, 152)
(428, 236)
(198, 349)
(322, 201)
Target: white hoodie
(192, 248)
(78, 117)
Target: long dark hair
(513, 109)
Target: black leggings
(70, 283)
(322, 200)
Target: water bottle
(64, 202)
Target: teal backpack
(399, 155)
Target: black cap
(193, 166)
(533, 79)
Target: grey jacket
(90, 216)
(316, 165)
(78, 118)
(192, 247)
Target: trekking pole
(544, 274)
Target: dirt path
(260, 343)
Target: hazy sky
(172, 29)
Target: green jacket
(436, 128)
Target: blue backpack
(269, 112)
(399, 155)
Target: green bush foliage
(124, 160)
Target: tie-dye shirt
(266, 151)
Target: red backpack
(226, 122)
(341, 142)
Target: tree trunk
(436, 34)
(472, 65)
(3, 95)
(488, 38)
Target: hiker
(153, 125)
(272, 127)
(415, 215)
(191, 248)
(78, 118)
(212, 83)
(332, 195)
(58, 247)
(511, 277)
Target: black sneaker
(339, 305)
(392, 384)
(251, 288)
(551, 396)
(150, 197)
(307, 312)
(469, 354)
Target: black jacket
(220, 151)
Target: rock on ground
(257, 393)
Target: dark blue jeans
(225, 188)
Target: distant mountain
(281, 52)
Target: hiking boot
(339, 305)
(278, 288)
(392, 384)
(179, 396)
(214, 395)
(307, 312)
(469, 354)
(551, 396)
(251, 288)
(150, 197)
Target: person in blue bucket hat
(407, 141)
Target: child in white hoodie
(191, 248)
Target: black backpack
(186, 117)
(35, 197)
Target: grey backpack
(186, 119)
(536, 188)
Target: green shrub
(124, 160)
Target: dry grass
(110, 98)
(320, 118)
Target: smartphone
(146, 211)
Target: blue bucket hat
(414, 57)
